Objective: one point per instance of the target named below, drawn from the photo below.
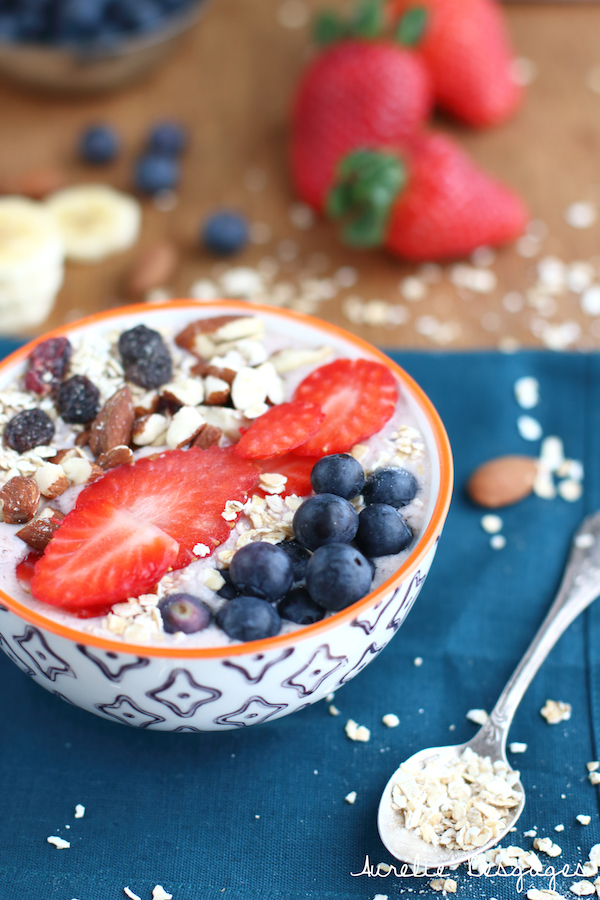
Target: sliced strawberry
(99, 555)
(26, 568)
(280, 429)
(296, 469)
(357, 396)
(183, 492)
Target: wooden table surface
(231, 83)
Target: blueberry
(28, 429)
(99, 144)
(298, 555)
(396, 487)
(78, 19)
(325, 519)
(78, 400)
(262, 570)
(183, 612)
(297, 606)
(382, 530)
(338, 474)
(146, 358)
(225, 233)
(154, 173)
(229, 590)
(337, 575)
(167, 139)
(248, 619)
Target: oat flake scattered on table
(555, 711)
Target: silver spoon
(580, 587)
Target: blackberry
(47, 365)
(146, 358)
(78, 400)
(28, 429)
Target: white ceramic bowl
(174, 688)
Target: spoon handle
(580, 587)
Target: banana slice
(17, 316)
(30, 239)
(47, 280)
(95, 220)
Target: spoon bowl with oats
(444, 805)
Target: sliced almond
(287, 360)
(185, 426)
(39, 531)
(204, 369)
(66, 453)
(20, 498)
(148, 403)
(216, 390)
(502, 481)
(187, 392)
(208, 436)
(153, 269)
(81, 471)
(117, 456)
(112, 426)
(51, 480)
(188, 337)
(148, 429)
(248, 388)
(240, 327)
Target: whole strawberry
(360, 91)
(431, 203)
(466, 47)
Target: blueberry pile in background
(98, 24)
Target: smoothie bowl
(215, 514)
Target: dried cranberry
(47, 365)
(28, 429)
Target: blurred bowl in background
(84, 70)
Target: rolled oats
(357, 732)
(555, 711)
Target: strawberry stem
(368, 183)
(367, 22)
(411, 26)
(368, 19)
(329, 28)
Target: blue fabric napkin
(260, 812)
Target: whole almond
(153, 269)
(39, 531)
(502, 481)
(20, 500)
(112, 426)
(34, 183)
